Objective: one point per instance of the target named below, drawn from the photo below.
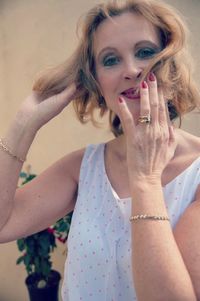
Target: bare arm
(33, 114)
(157, 262)
(18, 139)
(45, 199)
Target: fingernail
(144, 85)
(152, 77)
(121, 99)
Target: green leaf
(28, 178)
(23, 174)
(21, 244)
(20, 259)
(27, 259)
(46, 267)
(30, 245)
(37, 265)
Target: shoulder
(72, 161)
(187, 152)
(190, 148)
(189, 144)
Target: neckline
(129, 198)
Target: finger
(66, 95)
(153, 98)
(144, 100)
(171, 131)
(163, 120)
(167, 113)
(126, 117)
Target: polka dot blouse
(98, 265)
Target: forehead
(128, 27)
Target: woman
(135, 199)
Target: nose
(132, 70)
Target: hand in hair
(37, 111)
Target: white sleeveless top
(98, 265)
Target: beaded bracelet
(7, 150)
(146, 216)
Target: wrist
(19, 138)
(23, 124)
(145, 183)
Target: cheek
(104, 85)
(107, 82)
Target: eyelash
(107, 61)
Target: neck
(119, 148)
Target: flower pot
(47, 293)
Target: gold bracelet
(146, 216)
(6, 149)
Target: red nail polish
(121, 100)
(144, 85)
(152, 77)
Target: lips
(131, 93)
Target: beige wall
(34, 35)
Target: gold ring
(144, 119)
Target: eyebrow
(150, 43)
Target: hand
(35, 111)
(149, 146)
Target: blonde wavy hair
(171, 65)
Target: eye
(110, 61)
(145, 53)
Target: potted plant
(42, 281)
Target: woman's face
(123, 48)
